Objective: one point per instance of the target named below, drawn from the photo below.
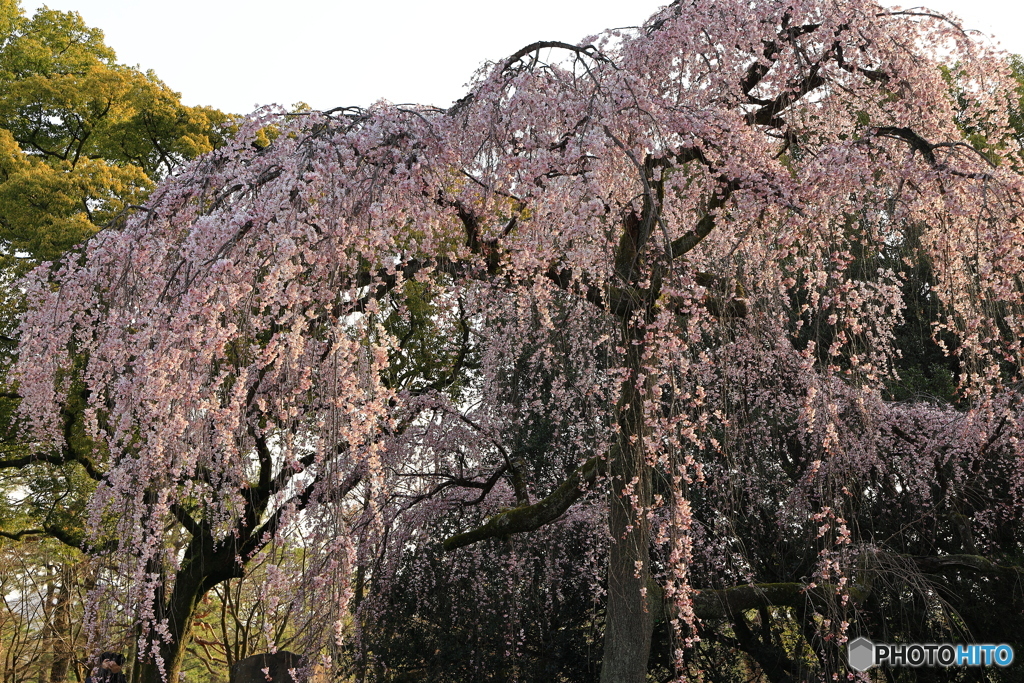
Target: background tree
(43, 586)
(82, 138)
(682, 233)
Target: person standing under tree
(109, 670)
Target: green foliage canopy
(81, 136)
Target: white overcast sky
(237, 54)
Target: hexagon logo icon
(860, 652)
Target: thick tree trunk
(47, 643)
(630, 621)
(201, 570)
(60, 627)
(178, 610)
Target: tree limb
(530, 517)
(705, 225)
(62, 458)
(68, 539)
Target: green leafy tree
(82, 138)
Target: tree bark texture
(202, 569)
(630, 621)
(60, 626)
